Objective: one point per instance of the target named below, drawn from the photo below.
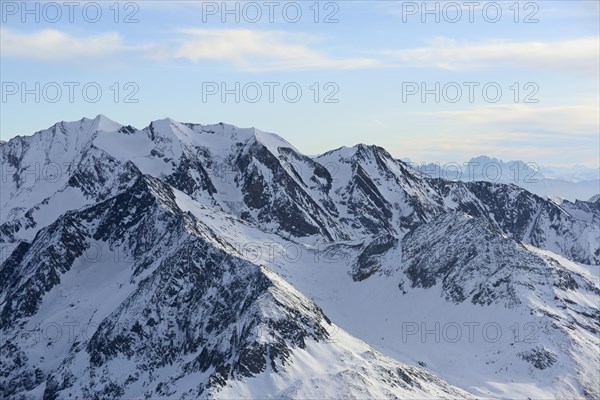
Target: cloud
(553, 135)
(569, 120)
(54, 45)
(242, 49)
(271, 50)
(579, 55)
(253, 50)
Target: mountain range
(193, 261)
(577, 183)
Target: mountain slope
(185, 318)
(184, 260)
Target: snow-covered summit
(103, 124)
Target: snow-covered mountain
(185, 260)
(577, 183)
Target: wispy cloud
(578, 55)
(253, 50)
(272, 50)
(239, 49)
(55, 45)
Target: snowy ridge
(256, 322)
(211, 261)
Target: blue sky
(368, 57)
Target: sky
(428, 81)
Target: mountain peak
(220, 134)
(358, 150)
(102, 123)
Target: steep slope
(490, 315)
(54, 171)
(554, 308)
(242, 171)
(33, 167)
(456, 294)
(377, 194)
(571, 229)
(185, 317)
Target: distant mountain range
(577, 183)
(185, 261)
